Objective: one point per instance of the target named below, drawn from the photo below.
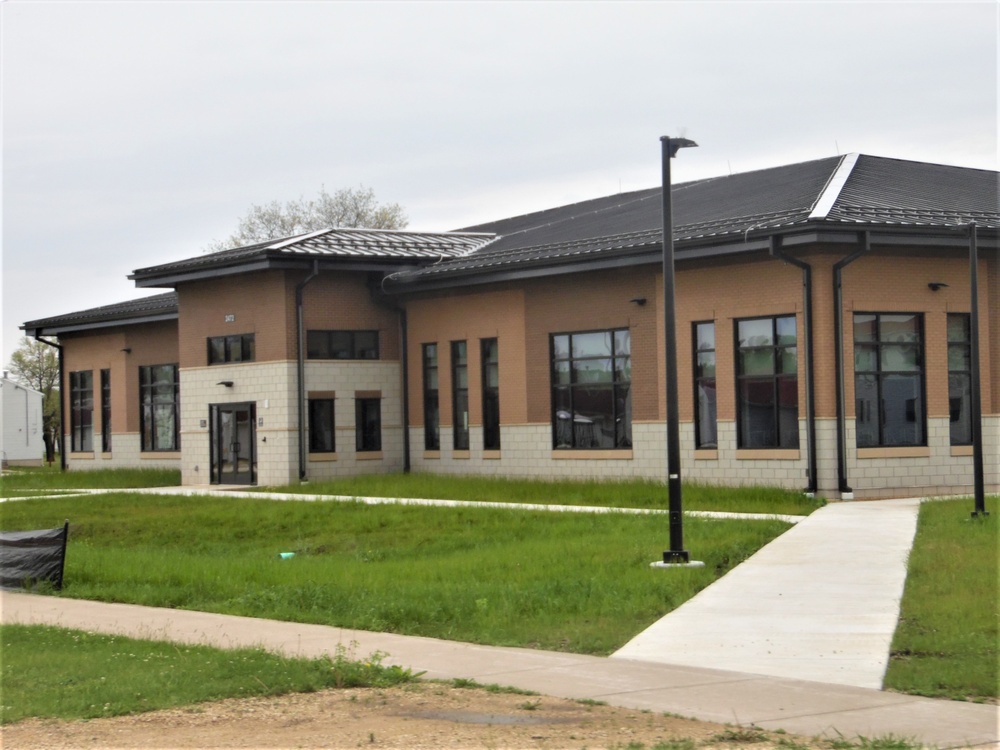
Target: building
(824, 334)
(21, 424)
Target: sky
(136, 133)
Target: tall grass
(27, 479)
(574, 582)
(71, 674)
(622, 494)
(947, 640)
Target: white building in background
(21, 423)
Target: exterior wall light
(227, 383)
(936, 285)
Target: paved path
(809, 708)
(820, 602)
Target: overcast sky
(135, 133)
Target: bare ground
(418, 716)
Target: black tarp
(30, 557)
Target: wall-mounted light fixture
(227, 383)
(640, 301)
(127, 350)
(936, 285)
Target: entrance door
(233, 438)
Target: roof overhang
(34, 331)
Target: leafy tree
(345, 208)
(36, 365)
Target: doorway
(233, 437)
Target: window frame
(368, 428)
(432, 406)
(489, 349)
(329, 444)
(460, 395)
(247, 341)
(576, 435)
(81, 419)
(149, 424)
(321, 339)
(778, 378)
(106, 410)
(878, 346)
(955, 374)
(700, 380)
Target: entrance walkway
(820, 602)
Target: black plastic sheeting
(28, 558)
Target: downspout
(864, 238)
(62, 402)
(301, 364)
(807, 324)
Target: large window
(159, 398)
(432, 431)
(491, 394)
(368, 424)
(591, 390)
(81, 415)
(342, 344)
(705, 430)
(767, 386)
(237, 348)
(321, 432)
(889, 379)
(460, 394)
(960, 378)
(106, 411)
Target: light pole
(676, 555)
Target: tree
(345, 208)
(35, 365)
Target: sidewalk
(809, 708)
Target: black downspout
(62, 402)
(975, 385)
(404, 361)
(807, 324)
(864, 238)
(301, 365)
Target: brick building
(823, 320)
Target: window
(960, 378)
(238, 348)
(888, 379)
(432, 431)
(106, 411)
(705, 431)
(591, 393)
(767, 386)
(460, 394)
(342, 344)
(321, 424)
(159, 399)
(368, 424)
(81, 400)
(491, 394)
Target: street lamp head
(677, 143)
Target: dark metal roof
(145, 309)
(826, 193)
(377, 245)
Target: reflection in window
(239, 347)
(81, 415)
(460, 394)
(321, 433)
(888, 379)
(491, 394)
(106, 411)
(767, 386)
(367, 425)
(432, 430)
(960, 378)
(591, 390)
(705, 431)
(342, 344)
(159, 398)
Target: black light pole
(676, 555)
(977, 409)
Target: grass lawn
(561, 581)
(21, 481)
(71, 674)
(625, 494)
(946, 643)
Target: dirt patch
(424, 715)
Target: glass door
(233, 437)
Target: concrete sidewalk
(819, 603)
(798, 706)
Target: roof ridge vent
(821, 209)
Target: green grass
(26, 480)
(946, 641)
(624, 494)
(559, 581)
(71, 674)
